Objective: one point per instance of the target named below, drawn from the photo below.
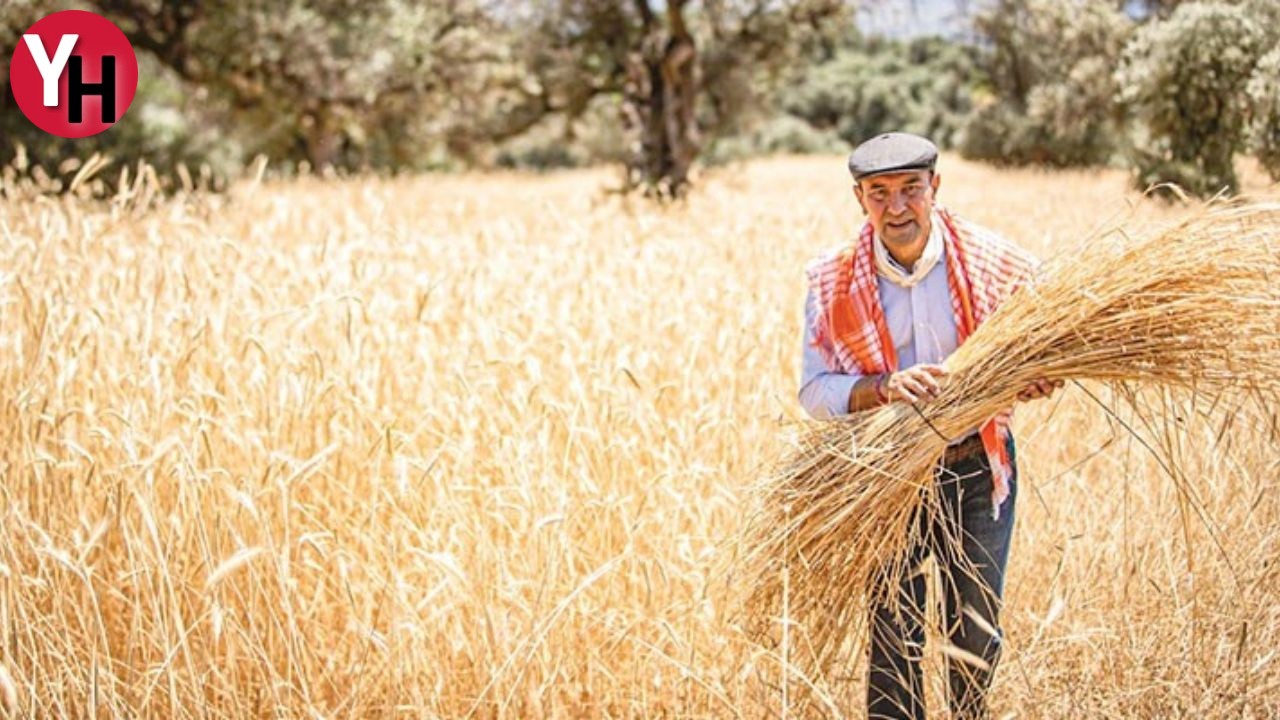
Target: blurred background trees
(1185, 80)
(1174, 90)
(1264, 95)
(671, 71)
(868, 85)
(1046, 95)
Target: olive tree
(1185, 80)
(680, 72)
(1264, 96)
(344, 83)
(1049, 98)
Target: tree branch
(646, 14)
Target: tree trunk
(658, 105)
(322, 137)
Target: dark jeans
(970, 550)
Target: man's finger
(930, 386)
(937, 370)
(928, 383)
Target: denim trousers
(970, 549)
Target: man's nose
(897, 203)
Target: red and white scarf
(850, 330)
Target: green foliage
(156, 128)
(394, 84)
(356, 84)
(750, 52)
(345, 83)
(686, 74)
(1050, 98)
(1264, 96)
(560, 142)
(869, 87)
(1185, 80)
(783, 134)
(348, 83)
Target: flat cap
(892, 152)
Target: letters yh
(77, 88)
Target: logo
(73, 74)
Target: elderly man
(882, 314)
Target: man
(881, 315)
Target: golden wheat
(1192, 307)
(473, 446)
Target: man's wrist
(881, 387)
(870, 391)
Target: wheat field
(479, 446)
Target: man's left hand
(1039, 388)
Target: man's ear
(857, 191)
(935, 182)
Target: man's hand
(918, 382)
(1039, 388)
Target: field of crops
(479, 446)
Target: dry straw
(1195, 306)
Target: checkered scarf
(850, 329)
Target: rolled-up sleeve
(823, 394)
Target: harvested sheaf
(1194, 306)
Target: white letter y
(50, 71)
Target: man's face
(898, 205)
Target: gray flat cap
(892, 152)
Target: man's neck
(907, 256)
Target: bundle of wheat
(1195, 305)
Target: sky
(947, 18)
(913, 18)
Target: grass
(475, 446)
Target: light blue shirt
(921, 324)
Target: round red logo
(73, 74)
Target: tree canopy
(657, 86)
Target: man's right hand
(916, 383)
